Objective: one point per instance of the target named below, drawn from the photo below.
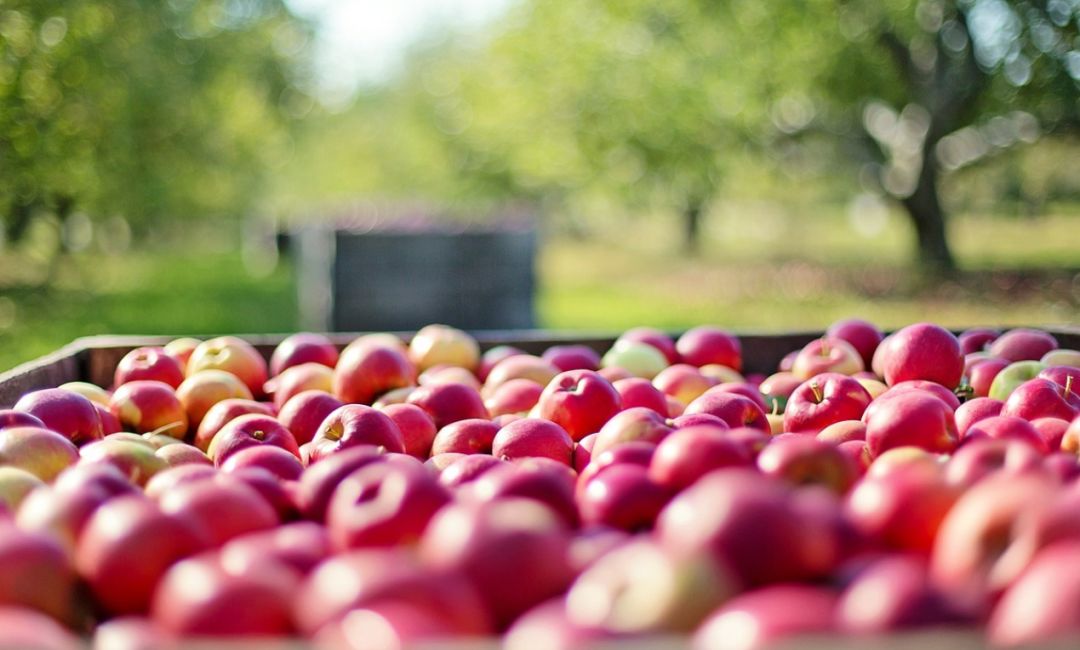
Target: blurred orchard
(752, 164)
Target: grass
(771, 272)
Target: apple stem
(776, 407)
(825, 347)
(817, 390)
(1068, 385)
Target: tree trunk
(692, 215)
(928, 218)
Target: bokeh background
(759, 165)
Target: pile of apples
(401, 493)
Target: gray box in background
(479, 277)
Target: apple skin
(10, 418)
(910, 418)
(203, 389)
(637, 452)
(862, 335)
(777, 388)
(439, 344)
(318, 481)
(579, 401)
(467, 469)
(223, 507)
(489, 541)
(805, 460)
(548, 625)
(15, 485)
(145, 405)
(634, 424)
(303, 414)
(26, 628)
(303, 348)
(533, 437)
(1042, 398)
(519, 366)
(1012, 376)
(769, 616)
(36, 573)
(132, 633)
(974, 410)
(233, 355)
(1023, 344)
(701, 346)
(280, 462)
(683, 382)
(923, 351)
(514, 396)
(151, 363)
(182, 454)
(416, 426)
(41, 452)
(976, 339)
(64, 412)
(136, 459)
(896, 593)
(843, 431)
(572, 357)
(746, 389)
(1061, 357)
(624, 497)
(92, 392)
(635, 391)
(1052, 431)
(1004, 427)
(583, 452)
(823, 400)
(449, 403)
(222, 413)
(247, 431)
(654, 337)
(735, 410)
(978, 459)
(367, 370)
(493, 356)
(131, 531)
(933, 388)
(297, 379)
(384, 504)
(689, 453)
(109, 423)
(542, 480)
(471, 436)
(904, 508)
(638, 359)
(300, 546)
(353, 425)
(181, 349)
(198, 598)
(981, 375)
(827, 355)
(1040, 607)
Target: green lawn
(752, 274)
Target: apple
(770, 616)
(1070, 440)
(531, 437)
(223, 507)
(182, 454)
(903, 458)
(639, 359)
(976, 339)
(682, 382)
(297, 379)
(384, 504)
(823, 400)
(233, 355)
(181, 349)
(203, 389)
(543, 480)
(355, 424)
(224, 412)
(923, 351)
(303, 348)
(417, 428)
(977, 459)
(367, 371)
(974, 410)
(131, 633)
(1004, 427)
(467, 469)
(622, 496)
(634, 424)
(41, 452)
(933, 388)
(494, 355)
(654, 337)
(860, 334)
(805, 460)
(635, 391)
(826, 355)
(572, 357)
(110, 424)
(1052, 430)
(689, 453)
(126, 532)
(514, 396)
(1042, 398)
(549, 625)
(519, 366)
(198, 598)
(318, 482)
(450, 402)
(734, 410)
(1061, 357)
(911, 417)
(15, 485)
(872, 386)
(136, 459)
(67, 413)
(744, 388)
(442, 374)
(895, 593)
(1040, 607)
(300, 546)
(982, 373)
(904, 508)
(167, 480)
(149, 363)
(36, 573)
(439, 344)
(277, 460)
(1023, 344)
(303, 414)
(1011, 376)
(10, 418)
(843, 431)
(92, 392)
(580, 401)
(26, 628)
(471, 436)
(489, 541)
(857, 452)
(144, 405)
(701, 346)
(777, 389)
(247, 431)
(637, 452)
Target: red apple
(223, 508)
(318, 482)
(823, 400)
(827, 355)
(974, 410)
(514, 396)
(683, 382)
(252, 430)
(1003, 427)
(1042, 398)
(540, 479)
(635, 391)
(735, 410)
(935, 389)
(923, 351)
(41, 452)
(301, 546)
(580, 401)
(297, 379)
(130, 532)
(1052, 430)
(471, 436)
(976, 339)
(279, 461)
(367, 371)
(654, 337)
(623, 496)
(977, 459)
(805, 460)
(910, 418)
(493, 356)
(530, 437)
(1041, 606)
(109, 423)
(550, 623)
(895, 593)
(689, 453)
(467, 469)
(146, 405)
(777, 389)
(770, 616)
(149, 363)
(705, 345)
(416, 426)
(519, 366)
(222, 413)
(136, 459)
(303, 348)
(203, 389)
(636, 452)
(862, 335)
(181, 349)
(166, 480)
(26, 628)
(843, 431)
(182, 454)
(303, 414)
(1023, 344)
(572, 357)
(10, 418)
(233, 355)
(450, 402)
(355, 424)
(635, 424)
(746, 389)
(36, 573)
(982, 373)
(904, 508)
(65, 412)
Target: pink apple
(777, 389)
(181, 349)
(982, 373)
(580, 401)
(974, 410)
(1042, 398)
(550, 621)
(493, 356)
(746, 389)
(689, 453)
(135, 458)
(823, 400)
(541, 479)
(233, 355)
(635, 424)
(682, 382)
(36, 573)
(902, 509)
(910, 418)
(224, 412)
(705, 345)
(203, 389)
(519, 366)
(583, 452)
(923, 351)
(318, 482)
(471, 436)
(531, 437)
(416, 426)
(734, 410)
(1052, 430)
(182, 454)
(977, 459)
(636, 391)
(895, 593)
(149, 363)
(862, 335)
(976, 339)
(355, 424)
(768, 616)
(1004, 427)
(514, 396)
(826, 355)
(10, 418)
(624, 497)
(303, 414)
(297, 379)
(42, 452)
(1023, 344)
(64, 412)
(279, 461)
(448, 403)
(804, 460)
(572, 357)
(467, 469)
(223, 507)
(145, 405)
(303, 348)
(368, 370)
(1040, 607)
(252, 430)
(935, 389)
(843, 431)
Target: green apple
(1061, 357)
(639, 359)
(1012, 376)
